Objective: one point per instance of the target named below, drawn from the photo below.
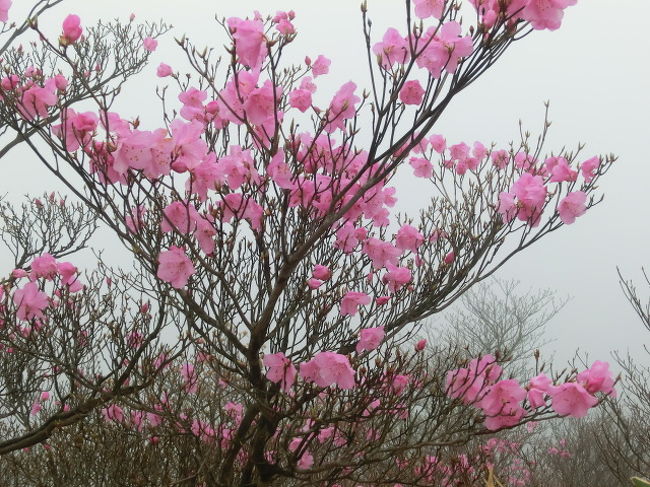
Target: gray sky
(594, 71)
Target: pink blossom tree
(272, 290)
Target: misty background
(595, 72)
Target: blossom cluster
(326, 368)
(504, 401)
(30, 298)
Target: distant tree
(499, 317)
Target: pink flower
(411, 93)
(408, 238)
(429, 8)
(524, 161)
(459, 151)
(30, 301)
(237, 205)
(422, 168)
(470, 383)
(571, 399)
(479, 151)
(444, 49)
(314, 283)
(192, 100)
(328, 368)
(260, 103)
(597, 378)
(36, 408)
(283, 22)
(396, 277)
(545, 14)
(507, 206)
(322, 272)
(421, 345)
(381, 253)
(342, 107)
(320, 66)
(502, 404)
(71, 29)
(489, 10)
(61, 83)
(180, 217)
(308, 84)
(560, 170)
(280, 172)
(351, 302)
(572, 206)
(400, 382)
(370, 408)
(589, 167)
(530, 194)
(175, 267)
(188, 147)
(204, 235)
(17, 273)
(538, 388)
(188, 373)
(438, 143)
(250, 43)
(10, 82)
(300, 99)
(501, 394)
(348, 237)
(4, 10)
(280, 370)
(164, 70)
(36, 100)
(237, 168)
(145, 151)
(500, 158)
(44, 266)
(325, 434)
(113, 413)
(150, 44)
(134, 339)
(370, 338)
(230, 106)
(77, 128)
(306, 459)
(68, 273)
(393, 49)
(235, 410)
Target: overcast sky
(594, 71)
